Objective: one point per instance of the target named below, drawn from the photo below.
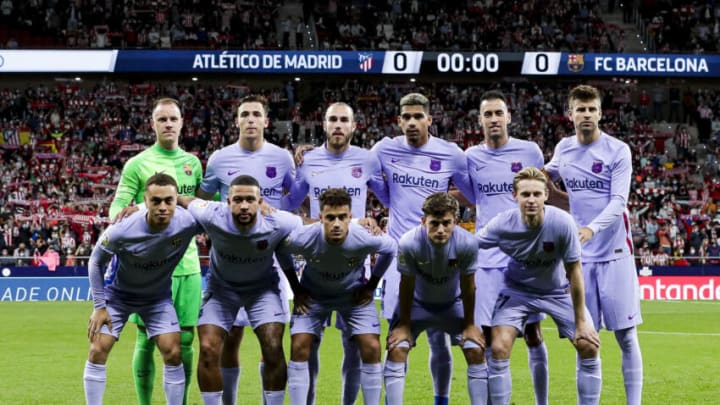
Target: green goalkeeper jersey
(183, 166)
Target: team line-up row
(526, 259)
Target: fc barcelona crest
(597, 166)
(515, 167)
(435, 165)
(356, 171)
(271, 171)
(548, 247)
(187, 169)
(262, 244)
(576, 62)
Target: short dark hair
(335, 197)
(493, 95)
(584, 92)
(415, 99)
(255, 98)
(438, 204)
(161, 179)
(244, 180)
(167, 100)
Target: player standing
(492, 167)
(437, 290)
(596, 169)
(416, 165)
(544, 248)
(165, 156)
(274, 170)
(157, 241)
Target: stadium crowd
(64, 146)
(379, 24)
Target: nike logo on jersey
(233, 172)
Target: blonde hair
(529, 173)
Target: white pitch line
(652, 332)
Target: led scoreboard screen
(417, 63)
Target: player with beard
(597, 169)
(492, 167)
(338, 165)
(242, 275)
(274, 170)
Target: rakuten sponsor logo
(680, 288)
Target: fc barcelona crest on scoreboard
(576, 62)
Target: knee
(438, 342)
(500, 350)
(398, 354)
(300, 349)
(474, 356)
(171, 355)
(97, 354)
(626, 338)
(370, 350)
(209, 349)
(585, 349)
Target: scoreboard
(417, 63)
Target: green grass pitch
(44, 348)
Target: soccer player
(165, 156)
(154, 241)
(544, 252)
(416, 165)
(333, 280)
(274, 170)
(596, 169)
(492, 166)
(437, 262)
(242, 274)
(354, 169)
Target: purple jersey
(597, 178)
(145, 258)
(271, 166)
(437, 269)
(537, 255)
(333, 271)
(242, 260)
(492, 172)
(353, 170)
(413, 174)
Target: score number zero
(470, 63)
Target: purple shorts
(359, 320)
(220, 307)
(488, 284)
(612, 293)
(513, 308)
(448, 319)
(159, 317)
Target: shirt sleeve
(488, 236)
(621, 175)
(461, 177)
(127, 190)
(99, 259)
(387, 249)
(376, 182)
(210, 183)
(551, 167)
